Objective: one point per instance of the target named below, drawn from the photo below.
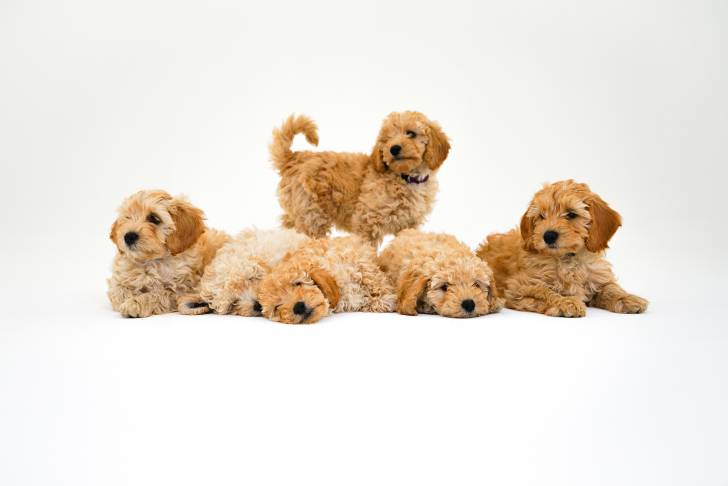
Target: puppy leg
(192, 305)
(222, 302)
(613, 298)
(381, 294)
(313, 222)
(149, 303)
(541, 299)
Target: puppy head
(153, 224)
(450, 287)
(566, 217)
(246, 285)
(298, 293)
(409, 143)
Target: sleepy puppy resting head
(324, 276)
(437, 274)
(153, 224)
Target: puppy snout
(468, 305)
(395, 150)
(299, 308)
(550, 237)
(130, 238)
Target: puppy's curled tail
(280, 148)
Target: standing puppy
(373, 195)
(436, 274)
(555, 263)
(163, 249)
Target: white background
(100, 99)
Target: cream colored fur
(230, 282)
(168, 258)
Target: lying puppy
(436, 274)
(163, 249)
(555, 264)
(230, 282)
(373, 195)
(324, 276)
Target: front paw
(192, 305)
(133, 308)
(567, 307)
(630, 304)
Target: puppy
(436, 274)
(230, 282)
(389, 190)
(324, 276)
(555, 263)
(163, 247)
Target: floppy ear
(527, 230)
(377, 160)
(604, 223)
(189, 225)
(112, 234)
(327, 284)
(410, 286)
(437, 148)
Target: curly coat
(324, 276)
(163, 247)
(554, 263)
(230, 282)
(434, 273)
(391, 189)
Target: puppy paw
(134, 308)
(567, 307)
(406, 310)
(630, 304)
(192, 305)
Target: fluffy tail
(280, 148)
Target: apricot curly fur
(368, 195)
(325, 276)
(230, 282)
(168, 258)
(434, 273)
(564, 277)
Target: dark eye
(541, 216)
(444, 287)
(153, 218)
(571, 215)
(410, 134)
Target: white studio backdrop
(100, 99)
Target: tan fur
(435, 273)
(337, 275)
(230, 282)
(560, 280)
(167, 260)
(359, 193)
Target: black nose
(395, 150)
(299, 308)
(550, 237)
(468, 305)
(257, 307)
(130, 238)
